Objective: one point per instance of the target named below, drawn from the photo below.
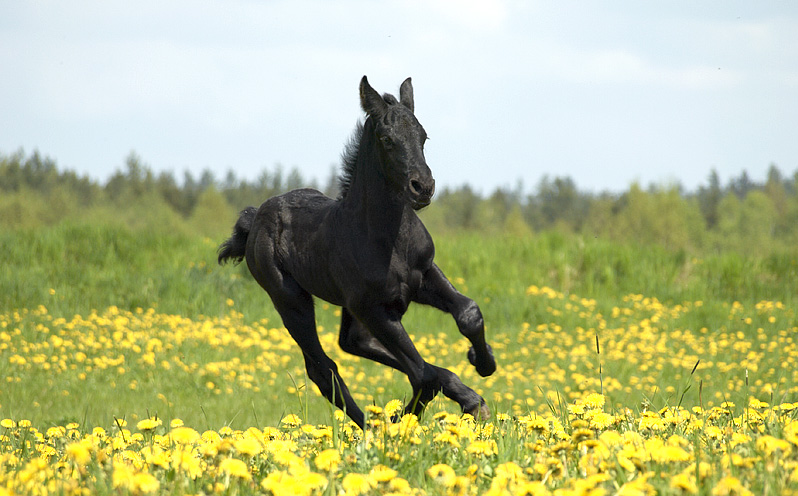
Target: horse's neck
(371, 202)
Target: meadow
(132, 364)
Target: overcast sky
(604, 92)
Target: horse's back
(295, 208)
(285, 240)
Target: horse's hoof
(487, 365)
(480, 412)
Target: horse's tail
(235, 248)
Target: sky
(607, 93)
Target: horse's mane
(349, 155)
(348, 160)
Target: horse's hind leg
(357, 340)
(295, 306)
(354, 338)
(378, 334)
(438, 292)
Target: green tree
(709, 198)
(746, 226)
(662, 216)
(558, 202)
(212, 216)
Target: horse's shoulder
(419, 236)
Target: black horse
(367, 252)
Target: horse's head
(400, 142)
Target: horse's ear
(371, 101)
(406, 94)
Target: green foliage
(744, 217)
(212, 216)
(658, 217)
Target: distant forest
(742, 215)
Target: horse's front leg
(377, 333)
(358, 340)
(437, 291)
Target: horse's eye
(387, 142)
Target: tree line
(742, 215)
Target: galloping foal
(367, 252)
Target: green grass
(80, 268)
(93, 267)
(100, 323)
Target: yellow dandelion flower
(576, 409)
(311, 481)
(482, 447)
(145, 483)
(730, 486)
(601, 420)
(122, 477)
(668, 454)
(328, 460)
(176, 423)
(248, 446)
(374, 410)
(183, 435)
(447, 437)
(55, 432)
(381, 473)
(281, 483)
(509, 472)
(594, 400)
(442, 474)
(579, 435)
(393, 407)
(211, 436)
(637, 487)
(535, 424)
(624, 458)
(291, 420)
(791, 432)
(354, 484)
(399, 485)
(78, 452)
(148, 424)
(7, 423)
(288, 459)
(462, 486)
(156, 456)
(235, 468)
(684, 483)
(769, 445)
(185, 460)
(534, 488)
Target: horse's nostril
(415, 187)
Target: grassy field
(132, 363)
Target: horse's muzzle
(420, 190)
